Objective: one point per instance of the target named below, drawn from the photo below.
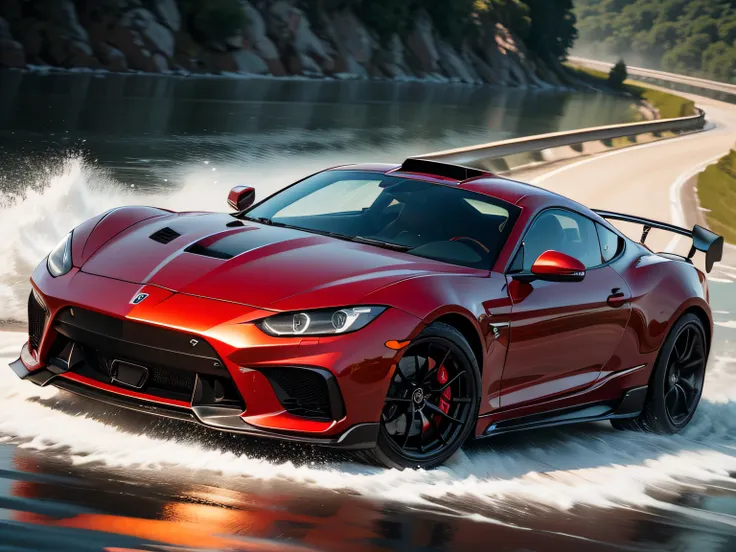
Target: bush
(617, 75)
(214, 19)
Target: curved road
(648, 180)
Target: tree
(685, 57)
(386, 17)
(552, 31)
(727, 30)
(705, 24)
(618, 74)
(719, 61)
(668, 34)
(670, 10)
(214, 19)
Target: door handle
(617, 298)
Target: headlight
(59, 261)
(319, 322)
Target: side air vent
(165, 235)
(424, 166)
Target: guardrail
(709, 88)
(494, 155)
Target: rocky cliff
(275, 37)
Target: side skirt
(629, 406)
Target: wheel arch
(469, 331)
(701, 313)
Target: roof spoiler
(704, 240)
(436, 168)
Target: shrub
(214, 19)
(617, 75)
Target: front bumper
(359, 436)
(358, 366)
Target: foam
(591, 464)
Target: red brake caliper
(446, 394)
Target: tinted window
(565, 232)
(430, 220)
(611, 243)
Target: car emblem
(138, 298)
(193, 342)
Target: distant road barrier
(711, 89)
(505, 155)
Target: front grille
(165, 235)
(176, 361)
(37, 317)
(162, 381)
(305, 392)
(175, 380)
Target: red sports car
(391, 310)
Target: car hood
(215, 256)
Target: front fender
(92, 234)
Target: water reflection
(52, 505)
(134, 123)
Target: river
(76, 476)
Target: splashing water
(590, 464)
(40, 216)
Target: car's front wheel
(677, 381)
(432, 403)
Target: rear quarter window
(611, 243)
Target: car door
(562, 333)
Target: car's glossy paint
(541, 345)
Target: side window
(611, 243)
(565, 232)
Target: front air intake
(37, 317)
(165, 235)
(306, 392)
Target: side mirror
(241, 197)
(554, 266)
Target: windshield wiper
(361, 239)
(381, 243)
(265, 220)
(355, 239)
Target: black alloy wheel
(685, 375)
(676, 384)
(432, 402)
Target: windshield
(424, 219)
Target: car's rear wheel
(432, 403)
(677, 382)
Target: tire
(448, 355)
(670, 371)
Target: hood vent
(208, 252)
(165, 235)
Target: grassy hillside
(717, 193)
(669, 105)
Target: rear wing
(703, 239)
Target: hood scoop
(206, 251)
(164, 235)
(232, 243)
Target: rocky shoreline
(277, 38)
